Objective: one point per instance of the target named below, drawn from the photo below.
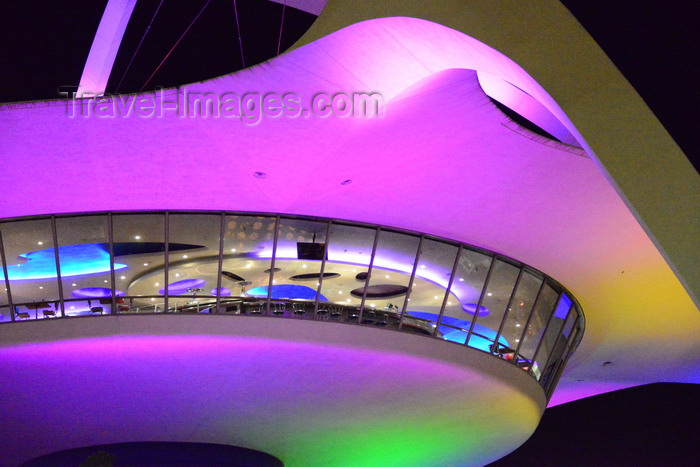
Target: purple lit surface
(295, 400)
(471, 309)
(563, 307)
(180, 287)
(223, 292)
(95, 292)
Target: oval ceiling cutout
(362, 276)
(314, 276)
(223, 292)
(95, 292)
(183, 286)
(471, 309)
(381, 291)
(232, 276)
(268, 271)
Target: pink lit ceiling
(443, 160)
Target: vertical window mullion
(410, 284)
(481, 299)
(510, 304)
(544, 333)
(7, 279)
(113, 279)
(447, 291)
(166, 264)
(529, 319)
(272, 265)
(58, 266)
(222, 230)
(323, 268)
(564, 358)
(369, 274)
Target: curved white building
(374, 249)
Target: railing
(385, 318)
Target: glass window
(83, 251)
(31, 264)
(139, 243)
(248, 242)
(516, 318)
(5, 312)
(461, 307)
(548, 380)
(390, 280)
(301, 248)
(429, 288)
(349, 253)
(532, 334)
(193, 262)
(493, 308)
(552, 341)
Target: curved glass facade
(289, 267)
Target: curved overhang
(307, 392)
(446, 154)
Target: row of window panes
(467, 296)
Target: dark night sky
(652, 425)
(44, 44)
(654, 44)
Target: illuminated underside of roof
(443, 159)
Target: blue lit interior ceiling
(76, 260)
(81, 259)
(455, 330)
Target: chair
(298, 309)
(96, 310)
(232, 308)
(523, 364)
(322, 312)
(336, 312)
(22, 314)
(49, 313)
(279, 308)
